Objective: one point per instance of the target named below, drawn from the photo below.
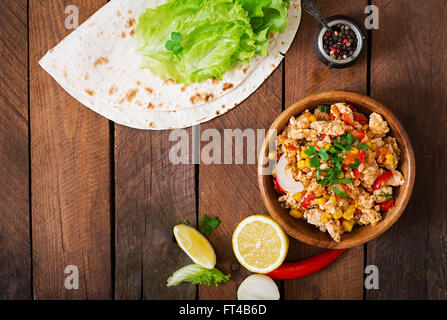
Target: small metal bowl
(318, 43)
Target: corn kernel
(296, 213)
(328, 147)
(328, 215)
(297, 196)
(354, 150)
(370, 134)
(301, 164)
(347, 226)
(338, 215)
(324, 219)
(307, 163)
(356, 204)
(312, 118)
(365, 127)
(369, 144)
(333, 199)
(303, 154)
(389, 156)
(320, 201)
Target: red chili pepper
(381, 179)
(360, 118)
(294, 270)
(307, 199)
(387, 205)
(356, 173)
(278, 188)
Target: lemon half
(196, 245)
(259, 243)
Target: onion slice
(285, 178)
(258, 287)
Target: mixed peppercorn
(342, 43)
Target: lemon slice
(196, 246)
(259, 243)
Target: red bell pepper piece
(294, 270)
(350, 158)
(351, 106)
(307, 199)
(360, 118)
(387, 205)
(359, 134)
(348, 119)
(356, 173)
(381, 179)
(278, 188)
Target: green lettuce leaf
(266, 16)
(215, 35)
(197, 275)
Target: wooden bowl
(307, 233)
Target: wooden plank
(152, 196)
(230, 192)
(15, 260)
(70, 168)
(304, 75)
(407, 75)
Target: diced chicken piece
(370, 174)
(396, 180)
(329, 207)
(302, 122)
(378, 142)
(370, 216)
(365, 200)
(393, 143)
(316, 188)
(334, 229)
(377, 124)
(321, 116)
(332, 128)
(313, 216)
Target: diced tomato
(323, 136)
(350, 158)
(359, 134)
(351, 106)
(349, 119)
(360, 118)
(292, 147)
(332, 116)
(278, 188)
(307, 199)
(381, 179)
(387, 205)
(356, 173)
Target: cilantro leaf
(323, 108)
(314, 162)
(362, 146)
(355, 164)
(207, 224)
(323, 154)
(340, 193)
(311, 151)
(387, 196)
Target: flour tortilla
(98, 65)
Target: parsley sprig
(207, 224)
(173, 44)
(386, 196)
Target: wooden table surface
(79, 190)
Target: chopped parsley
(324, 108)
(362, 146)
(173, 44)
(386, 196)
(340, 193)
(207, 224)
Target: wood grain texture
(409, 77)
(305, 74)
(230, 191)
(70, 168)
(152, 196)
(15, 260)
